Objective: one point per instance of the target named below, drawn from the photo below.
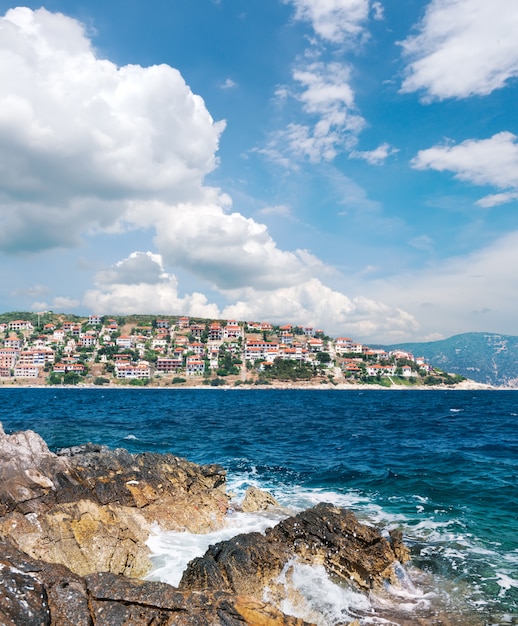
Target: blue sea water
(440, 465)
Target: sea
(441, 465)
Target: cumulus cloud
(228, 249)
(327, 99)
(463, 48)
(308, 302)
(139, 284)
(87, 146)
(139, 267)
(375, 157)
(491, 161)
(336, 21)
(80, 136)
(313, 303)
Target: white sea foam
(131, 437)
(505, 582)
(172, 551)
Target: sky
(350, 165)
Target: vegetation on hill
(487, 358)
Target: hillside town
(47, 348)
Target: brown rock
(258, 500)
(34, 593)
(324, 535)
(91, 508)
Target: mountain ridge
(489, 358)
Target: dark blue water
(442, 465)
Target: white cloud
(59, 303)
(336, 21)
(497, 198)
(80, 136)
(313, 303)
(308, 302)
(375, 157)
(379, 13)
(491, 161)
(281, 210)
(138, 284)
(327, 99)
(463, 48)
(227, 249)
(228, 84)
(139, 267)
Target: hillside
(483, 357)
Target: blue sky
(346, 164)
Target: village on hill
(53, 349)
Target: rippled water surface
(442, 465)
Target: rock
(258, 500)
(351, 552)
(34, 593)
(400, 550)
(91, 508)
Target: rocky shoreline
(73, 531)
(469, 385)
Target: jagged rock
(258, 500)
(91, 508)
(34, 593)
(324, 535)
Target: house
(194, 366)
(197, 348)
(67, 366)
(58, 335)
(94, 320)
(382, 370)
(168, 365)
(343, 345)
(407, 371)
(162, 324)
(401, 354)
(197, 330)
(8, 357)
(179, 352)
(13, 342)
(26, 371)
(232, 330)
(19, 325)
(287, 338)
(128, 371)
(125, 342)
(159, 342)
(183, 322)
(315, 345)
(215, 332)
(88, 339)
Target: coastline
(466, 385)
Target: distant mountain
(483, 357)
